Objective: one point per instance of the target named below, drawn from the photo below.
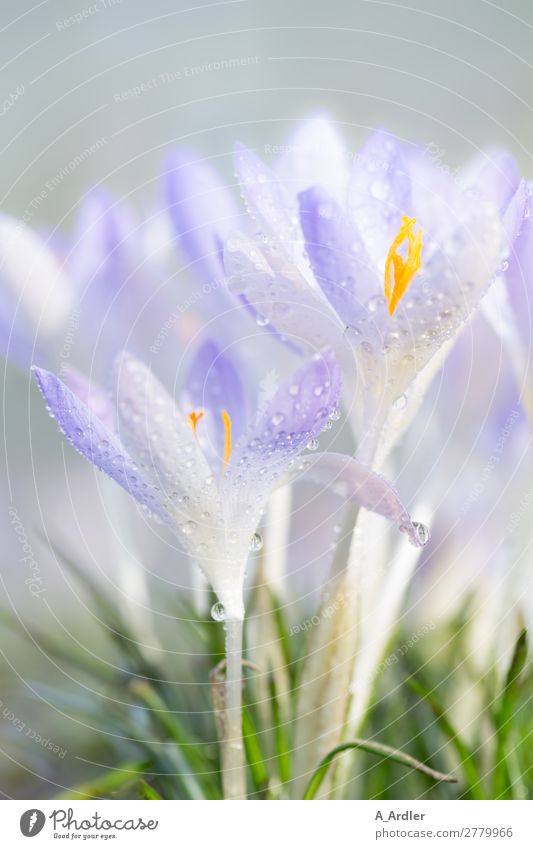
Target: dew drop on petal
(335, 415)
(375, 302)
(217, 612)
(256, 542)
(380, 189)
(312, 445)
(261, 321)
(422, 532)
(400, 403)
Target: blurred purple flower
(84, 298)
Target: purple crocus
(382, 256)
(204, 469)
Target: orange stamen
(193, 419)
(226, 421)
(399, 271)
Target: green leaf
(504, 719)
(281, 736)
(146, 791)
(377, 749)
(466, 758)
(169, 721)
(254, 752)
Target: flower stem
(232, 748)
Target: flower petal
(202, 210)
(315, 155)
(296, 413)
(35, 295)
(354, 481)
(97, 401)
(337, 255)
(158, 437)
(497, 175)
(105, 244)
(274, 286)
(213, 384)
(96, 442)
(267, 198)
(379, 191)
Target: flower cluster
(355, 274)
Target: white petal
(315, 155)
(276, 289)
(31, 272)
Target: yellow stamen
(193, 419)
(399, 271)
(226, 421)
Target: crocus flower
(199, 467)
(383, 261)
(212, 491)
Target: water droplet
(379, 189)
(375, 302)
(312, 445)
(261, 321)
(188, 527)
(277, 419)
(217, 612)
(335, 414)
(256, 542)
(422, 532)
(400, 403)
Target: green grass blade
(466, 758)
(254, 753)
(377, 749)
(106, 784)
(281, 736)
(505, 716)
(146, 791)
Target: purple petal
(213, 384)
(296, 413)
(105, 240)
(92, 396)
(95, 441)
(497, 176)
(518, 275)
(337, 255)
(351, 480)
(380, 190)
(202, 210)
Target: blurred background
(94, 94)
